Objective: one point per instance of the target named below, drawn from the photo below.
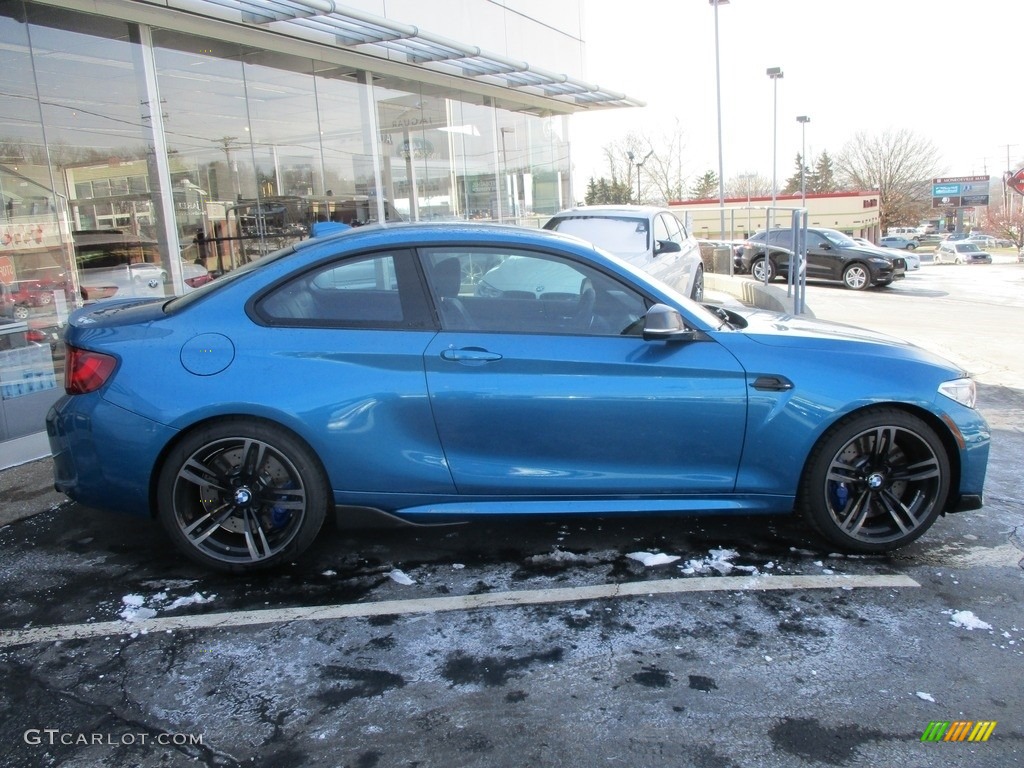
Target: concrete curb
(753, 293)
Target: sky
(951, 72)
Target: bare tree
(748, 185)
(1008, 223)
(896, 163)
(662, 177)
(651, 167)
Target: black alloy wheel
(875, 482)
(241, 495)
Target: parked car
(954, 236)
(112, 263)
(650, 238)
(831, 255)
(961, 252)
(899, 243)
(990, 241)
(430, 402)
(912, 260)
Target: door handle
(772, 383)
(472, 355)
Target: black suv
(831, 255)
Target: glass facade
(142, 160)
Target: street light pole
(775, 73)
(640, 165)
(803, 120)
(718, 89)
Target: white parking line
(13, 637)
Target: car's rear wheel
(758, 268)
(875, 481)
(241, 495)
(697, 292)
(21, 312)
(856, 277)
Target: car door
(536, 396)
(824, 260)
(352, 332)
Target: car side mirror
(667, 246)
(663, 323)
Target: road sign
(1016, 181)
(7, 272)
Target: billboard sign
(960, 191)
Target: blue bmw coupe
(440, 372)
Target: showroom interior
(173, 141)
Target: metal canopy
(317, 20)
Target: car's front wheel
(875, 481)
(759, 267)
(21, 312)
(697, 292)
(856, 277)
(241, 495)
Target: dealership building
(143, 142)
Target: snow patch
(968, 620)
(401, 578)
(649, 558)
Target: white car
(961, 252)
(912, 259)
(650, 238)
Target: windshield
(623, 236)
(967, 248)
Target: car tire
(757, 269)
(875, 481)
(21, 312)
(242, 495)
(856, 277)
(697, 292)
(911, 247)
(44, 298)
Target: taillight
(195, 282)
(86, 371)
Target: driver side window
(512, 291)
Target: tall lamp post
(718, 89)
(803, 120)
(775, 73)
(639, 165)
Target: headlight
(880, 261)
(961, 390)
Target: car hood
(773, 329)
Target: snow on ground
(401, 578)
(139, 607)
(650, 558)
(968, 620)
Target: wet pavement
(552, 643)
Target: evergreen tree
(793, 182)
(603, 192)
(705, 187)
(823, 176)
